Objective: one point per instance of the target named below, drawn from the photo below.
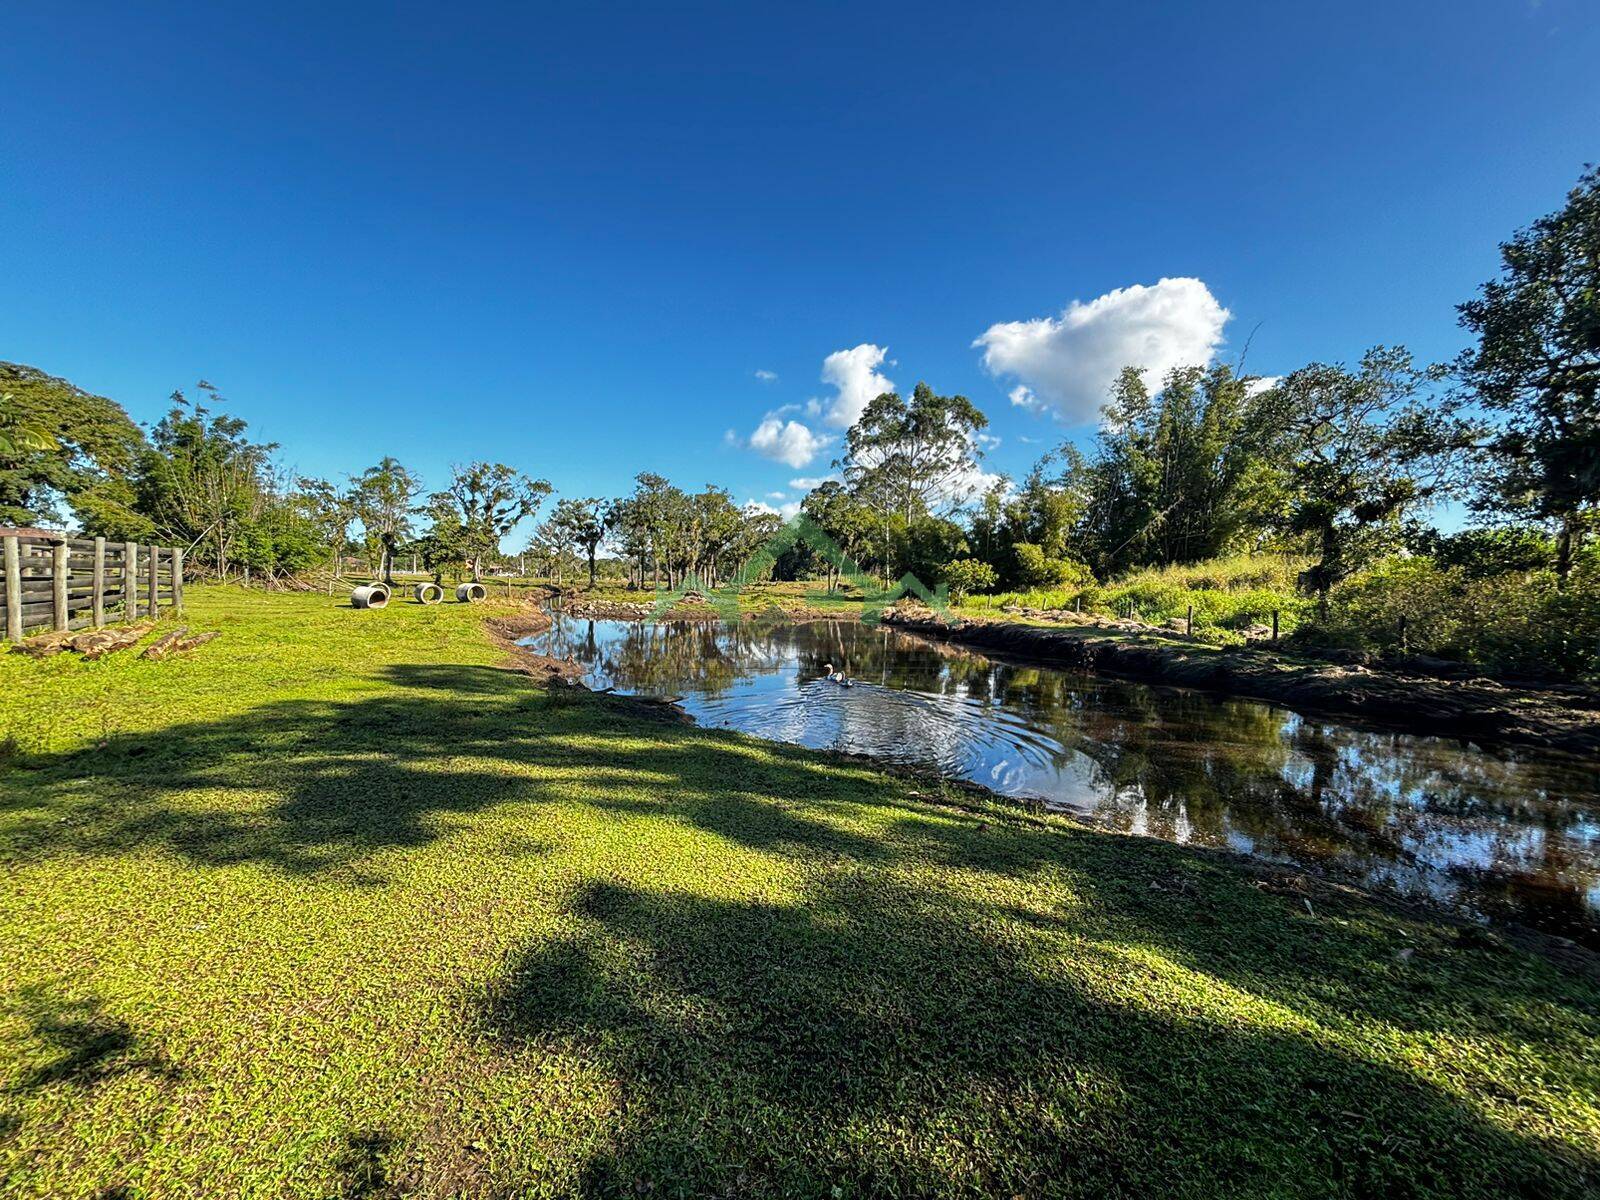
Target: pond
(1494, 833)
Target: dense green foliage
(964, 575)
(60, 444)
(1514, 623)
(676, 534)
(352, 912)
(1228, 595)
(1537, 367)
(1186, 474)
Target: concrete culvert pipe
(471, 593)
(370, 596)
(429, 593)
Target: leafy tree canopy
(1537, 366)
(60, 444)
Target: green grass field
(338, 907)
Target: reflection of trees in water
(1422, 813)
(663, 657)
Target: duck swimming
(838, 677)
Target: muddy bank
(547, 671)
(690, 609)
(628, 610)
(504, 632)
(1566, 719)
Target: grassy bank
(1226, 594)
(336, 907)
(806, 597)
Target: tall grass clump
(1228, 594)
(1512, 623)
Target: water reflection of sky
(1509, 835)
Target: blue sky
(568, 237)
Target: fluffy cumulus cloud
(1068, 363)
(856, 382)
(810, 483)
(788, 442)
(968, 485)
(783, 510)
(1022, 397)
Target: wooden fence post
(1189, 623)
(1274, 624)
(152, 595)
(99, 602)
(13, 590)
(58, 577)
(130, 581)
(177, 578)
(1403, 646)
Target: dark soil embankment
(1565, 718)
(506, 631)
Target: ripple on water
(1496, 835)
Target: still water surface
(1494, 833)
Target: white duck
(838, 677)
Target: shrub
(1482, 553)
(1365, 611)
(1035, 568)
(1516, 622)
(965, 575)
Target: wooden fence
(73, 583)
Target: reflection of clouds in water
(1427, 816)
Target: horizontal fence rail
(76, 583)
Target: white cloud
(987, 441)
(1070, 362)
(777, 495)
(856, 381)
(1022, 397)
(808, 483)
(788, 442)
(767, 376)
(783, 510)
(968, 485)
(1262, 383)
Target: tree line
(1337, 464)
(199, 481)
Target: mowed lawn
(337, 906)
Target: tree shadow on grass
(77, 1043)
(892, 1033)
(886, 1042)
(342, 781)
